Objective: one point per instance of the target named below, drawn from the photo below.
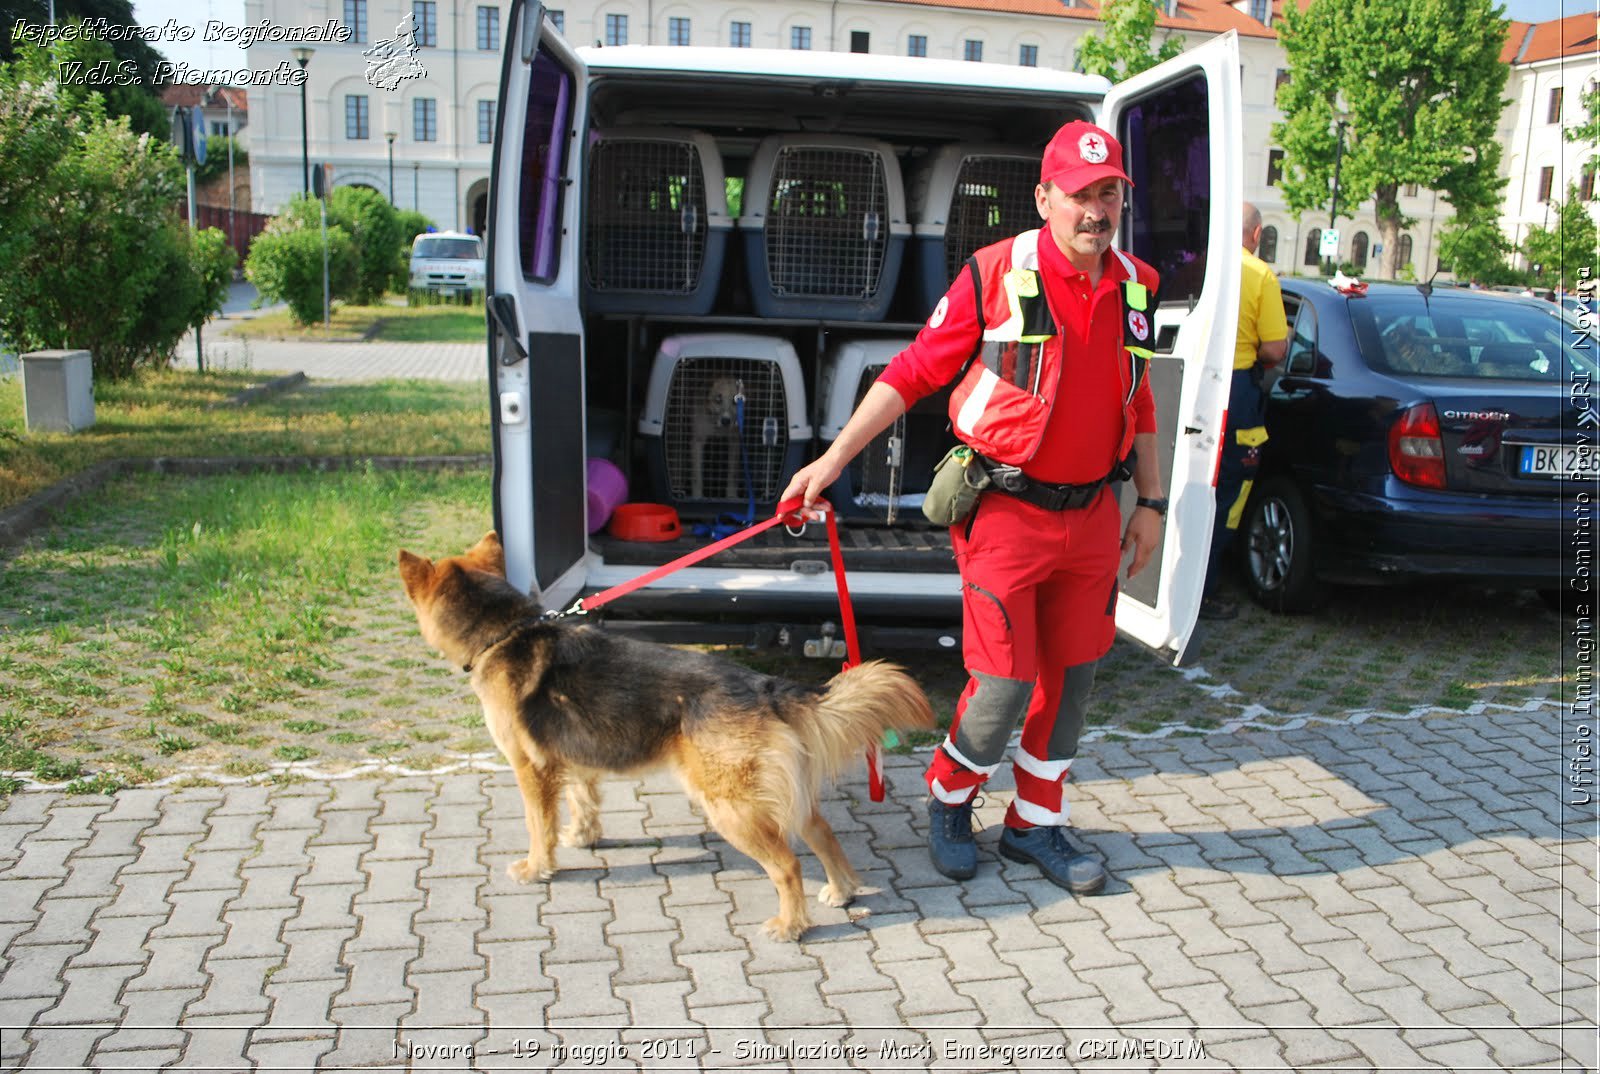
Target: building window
(1358, 250)
(1269, 244)
(1547, 179)
(1313, 241)
(220, 129)
(355, 117)
(1280, 80)
(489, 28)
(972, 50)
(1261, 11)
(800, 37)
(1554, 115)
(677, 31)
(1028, 56)
(1586, 182)
(739, 35)
(917, 45)
(860, 41)
(1274, 167)
(485, 122)
(355, 19)
(616, 29)
(558, 19)
(425, 120)
(426, 13)
(1402, 251)
(1411, 190)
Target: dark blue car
(1422, 433)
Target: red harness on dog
(787, 514)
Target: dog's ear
(415, 572)
(488, 555)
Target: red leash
(787, 514)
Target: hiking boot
(1057, 860)
(1218, 608)
(950, 843)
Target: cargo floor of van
(867, 547)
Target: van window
(544, 145)
(1168, 154)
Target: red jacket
(1072, 436)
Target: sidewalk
(1393, 895)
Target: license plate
(1559, 460)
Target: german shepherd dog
(567, 702)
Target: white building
(1554, 66)
(443, 121)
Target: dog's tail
(859, 706)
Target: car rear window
(448, 249)
(1449, 336)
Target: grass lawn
(179, 413)
(405, 324)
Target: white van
(671, 228)
(447, 263)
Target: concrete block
(57, 391)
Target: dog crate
(824, 227)
(707, 454)
(963, 198)
(656, 222)
(892, 473)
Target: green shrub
(213, 261)
(285, 264)
(410, 224)
(92, 253)
(372, 224)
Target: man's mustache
(1094, 227)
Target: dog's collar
(516, 628)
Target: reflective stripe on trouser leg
(989, 710)
(1042, 760)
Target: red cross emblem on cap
(1092, 148)
(1140, 326)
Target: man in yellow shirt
(1261, 343)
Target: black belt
(1013, 482)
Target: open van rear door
(535, 328)
(1181, 128)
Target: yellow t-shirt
(1260, 311)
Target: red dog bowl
(645, 522)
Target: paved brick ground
(1398, 895)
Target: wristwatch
(1158, 506)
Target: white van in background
(447, 263)
(699, 257)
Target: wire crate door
(882, 462)
(709, 455)
(647, 217)
(827, 228)
(993, 200)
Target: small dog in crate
(716, 425)
(568, 703)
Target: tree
(217, 158)
(138, 99)
(1124, 51)
(1559, 255)
(1419, 83)
(1477, 250)
(1589, 130)
(92, 253)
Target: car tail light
(1416, 449)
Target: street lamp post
(389, 137)
(1333, 212)
(302, 56)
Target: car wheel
(1277, 549)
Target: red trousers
(1039, 597)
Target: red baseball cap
(1081, 154)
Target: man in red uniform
(1049, 335)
